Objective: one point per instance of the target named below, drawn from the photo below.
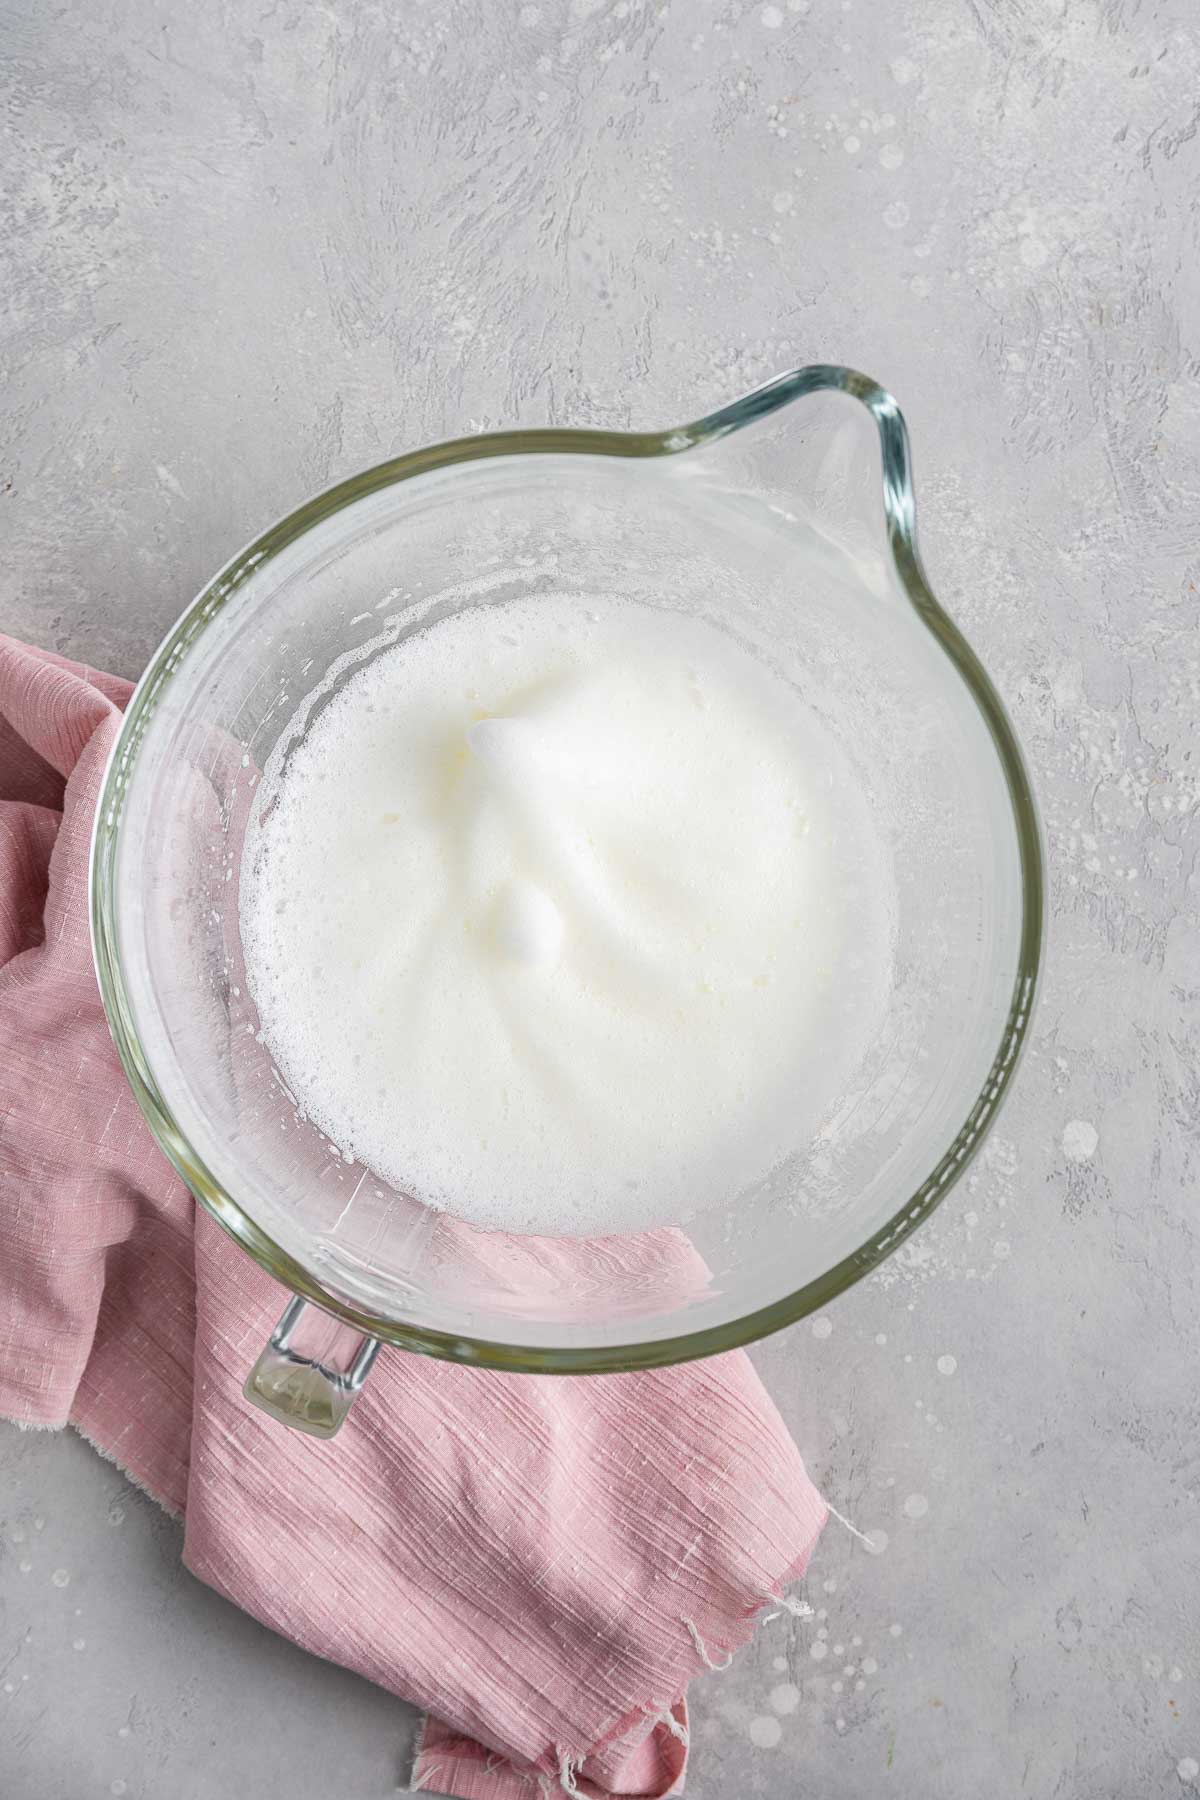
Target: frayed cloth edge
(136, 1481)
(8, 1418)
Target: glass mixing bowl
(768, 519)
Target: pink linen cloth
(542, 1564)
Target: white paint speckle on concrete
(1079, 1140)
(765, 1731)
(785, 1698)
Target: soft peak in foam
(565, 920)
(511, 748)
(528, 926)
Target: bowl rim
(899, 515)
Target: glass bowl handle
(312, 1370)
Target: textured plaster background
(249, 248)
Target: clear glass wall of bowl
(776, 536)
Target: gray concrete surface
(251, 247)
